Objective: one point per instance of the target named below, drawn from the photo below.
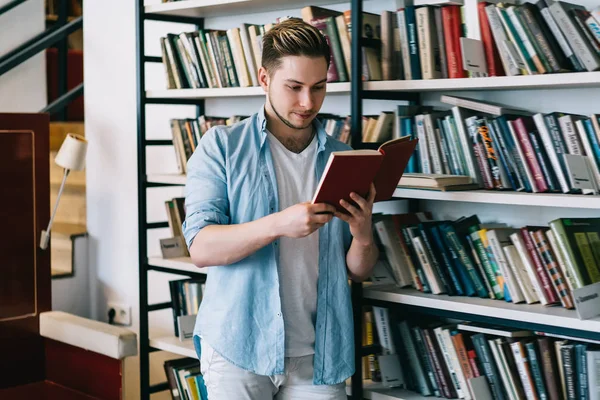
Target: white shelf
(173, 345)
(181, 264)
(376, 391)
(214, 8)
(176, 179)
(508, 198)
(550, 81)
(547, 81)
(532, 313)
(336, 87)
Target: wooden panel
(24, 267)
(42, 391)
(79, 369)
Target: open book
(354, 170)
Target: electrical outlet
(122, 313)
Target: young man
(276, 316)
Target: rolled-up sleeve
(206, 201)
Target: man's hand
(303, 219)
(360, 217)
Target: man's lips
(304, 116)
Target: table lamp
(70, 156)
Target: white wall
(23, 89)
(110, 72)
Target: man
(276, 317)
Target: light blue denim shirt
(231, 180)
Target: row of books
(186, 296)
(476, 361)
(187, 132)
(184, 379)
(467, 258)
(506, 148)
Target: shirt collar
(321, 134)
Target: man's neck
(295, 140)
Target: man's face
(296, 90)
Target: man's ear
(263, 79)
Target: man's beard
(285, 121)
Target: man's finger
(323, 208)
(351, 209)
(372, 193)
(342, 216)
(322, 218)
(362, 203)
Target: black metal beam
(161, 387)
(169, 100)
(390, 95)
(162, 184)
(157, 225)
(196, 275)
(172, 18)
(37, 44)
(159, 306)
(161, 142)
(370, 349)
(61, 102)
(154, 59)
(145, 349)
(62, 57)
(9, 6)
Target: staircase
(70, 219)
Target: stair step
(59, 130)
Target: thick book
(355, 170)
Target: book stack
(476, 361)
(186, 296)
(505, 148)
(530, 264)
(185, 380)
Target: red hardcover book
(451, 21)
(492, 57)
(353, 171)
(522, 128)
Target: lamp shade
(71, 154)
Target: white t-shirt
(298, 257)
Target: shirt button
(279, 314)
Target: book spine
(524, 373)
(548, 367)
(544, 280)
(515, 291)
(559, 282)
(507, 170)
(517, 240)
(451, 25)
(523, 135)
(446, 262)
(542, 159)
(521, 275)
(492, 57)
(582, 49)
(511, 67)
(570, 136)
(413, 359)
(507, 147)
(567, 252)
(536, 370)
(413, 42)
(426, 360)
(479, 153)
(569, 371)
(452, 240)
(528, 11)
(483, 353)
(402, 29)
(560, 260)
(551, 152)
(448, 361)
(581, 371)
(415, 260)
(485, 139)
(441, 372)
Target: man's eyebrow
(302, 83)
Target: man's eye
(295, 88)
(319, 88)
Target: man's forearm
(361, 259)
(228, 244)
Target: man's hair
(292, 37)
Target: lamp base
(44, 240)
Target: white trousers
(225, 381)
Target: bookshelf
(536, 317)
